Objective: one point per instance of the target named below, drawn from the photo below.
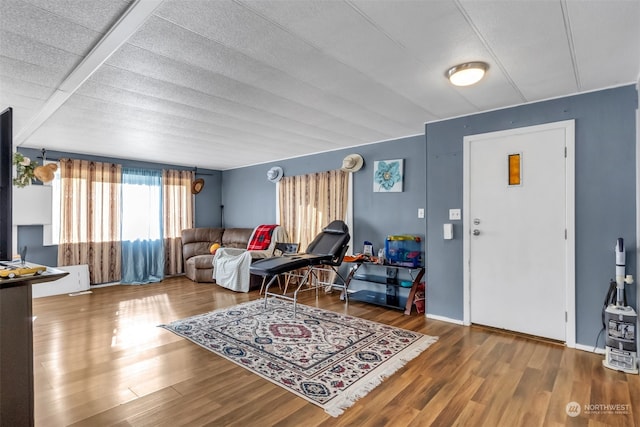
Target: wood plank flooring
(101, 360)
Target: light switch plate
(447, 231)
(455, 214)
(420, 213)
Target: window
(113, 219)
(141, 205)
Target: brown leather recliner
(198, 261)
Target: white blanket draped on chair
(231, 268)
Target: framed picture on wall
(388, 176)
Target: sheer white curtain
(307, 203)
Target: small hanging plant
(24, 170)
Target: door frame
(570, 282)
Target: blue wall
(250, 199)
(208, 212)
(605, 135)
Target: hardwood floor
(101, 360)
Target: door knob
(476, 232)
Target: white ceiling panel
(167, 69)
(195, 50)
(44, 27)
(227, 111)
(229, 83)
(272, 44)
(24, 88)
(29, 73)
(23, 107)
(438, 35)
(97, 15)
(357, 42)
(41, 55)
(132, 107)
(536, 35)
(606, 42)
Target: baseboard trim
(519, 334)
(75, 294)
(104, 285)
(577, 346)
(444, 319)
(589, 348)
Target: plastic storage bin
(403, 250)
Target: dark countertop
(48, 276)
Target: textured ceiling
(223, 84)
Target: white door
(517, 223)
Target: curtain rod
(54, 159)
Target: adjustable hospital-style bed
(325, 251)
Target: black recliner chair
(326, 250)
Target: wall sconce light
(467, 74)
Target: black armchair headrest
(336, 227)
(332, 241)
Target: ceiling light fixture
(467, 74)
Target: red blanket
(261, 237)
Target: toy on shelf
(11, 270)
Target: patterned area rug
(325, 357)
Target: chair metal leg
(264, 279)
(344, 284)
(310, 278)
(266, 291)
